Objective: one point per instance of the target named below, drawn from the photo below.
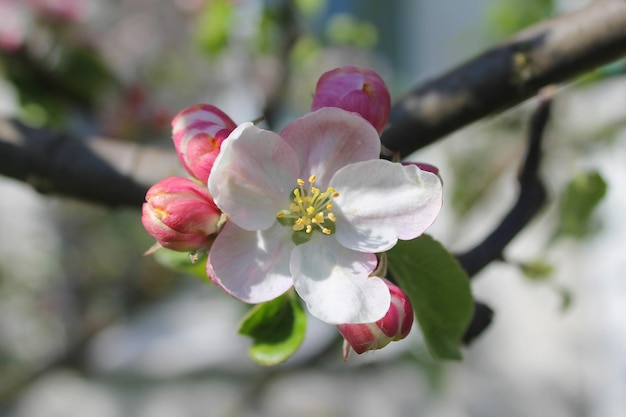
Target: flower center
(310, 209)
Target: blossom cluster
(308, 208)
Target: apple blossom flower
(394, 326)
(310, 208)
(198, 133)
(180, 214)
(357, 90)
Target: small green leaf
(537, 270)
(581, 196)
(181, 262)
(214, 26)
(439, 291)
(277, 328)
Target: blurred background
(90, 327)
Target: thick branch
(102, 171)
(550, 52)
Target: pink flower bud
(394, 326)
(180, 214)
(198, 133)
(357, 90)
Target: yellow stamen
(310, 206)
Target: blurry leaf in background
(277, 328)
(67, 77)
(537, 270)
(580, 198)
(345, 29)
(311, 8)
(505, 17)
(439, 291)
(304, 52)
(614, 69)
(214, 25)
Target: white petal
(253, 177)
(251, 266)
(328, 139)
(380, 202)
(335, 284)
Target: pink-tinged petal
(380, 202)
(198, 132)
(357, 90)
(253, 177)
(328, 139)
(251, 266)
(335, 284)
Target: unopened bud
(394, 326)
(180, 214)
(357, 90)
(198, 132)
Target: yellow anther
(309, 207)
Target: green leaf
(181, 262)
(277, 328)
(439, 291)
(537, 270)
(214, 26)
(581, 196)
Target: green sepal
(181, 262)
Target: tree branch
(102, 171)
(550, 52)
(116, 173)
(530, 200)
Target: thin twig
(531, 199)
